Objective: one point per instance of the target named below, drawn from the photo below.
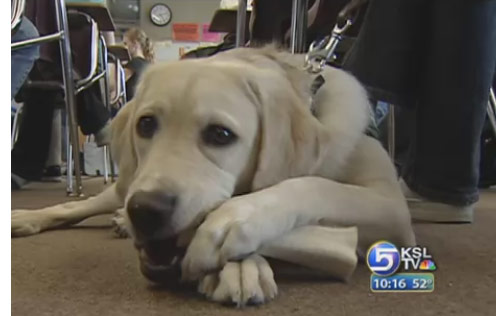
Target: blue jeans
(22, 59)
(437, 58)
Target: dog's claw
(24, 223)
(119, 226)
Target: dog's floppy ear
(122, 146)
(292, 141)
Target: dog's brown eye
(217, 135)
(147, 126)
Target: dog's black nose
(150, 212)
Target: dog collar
(314, 87)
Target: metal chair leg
(15, 126)
(491, 110)
(68, 149)
(65, 51)
(106, 150)
(123, 85)
(112, 165)
(105, 164)
(106, 100)
(391, 132)
(104, 57)
(299, 26)
(122, 78)
(241, 23)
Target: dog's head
(200, 131)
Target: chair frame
(62, 36)
(17, 9)
(107, 157)
(120, 78)
(99, 54)
(15, 125)
(241, 23)
(118, 101)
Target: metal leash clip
(322, 51)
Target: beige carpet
(86, 271)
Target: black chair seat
(120, 52)
(46, 85)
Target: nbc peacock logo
(427, 265)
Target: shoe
(102, 137)
(52, 174)
(424, 210)
(17, 182)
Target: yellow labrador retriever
(222, 161)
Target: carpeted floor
(86, 271)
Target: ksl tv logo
(384, 258)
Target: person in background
(142, 54)
(437, 58)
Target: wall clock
(160, 14)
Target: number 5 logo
(384, 253)
(383, 258)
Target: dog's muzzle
(150, 213)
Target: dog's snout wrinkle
(149, 212)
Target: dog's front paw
(119, 224)
(249, 281)
(229, 233)
(25, 223)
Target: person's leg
(31, 149)
(384, 55)
(460, 59)
(385, 58)
(22, 59)
(30, 152)
(53, 163)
